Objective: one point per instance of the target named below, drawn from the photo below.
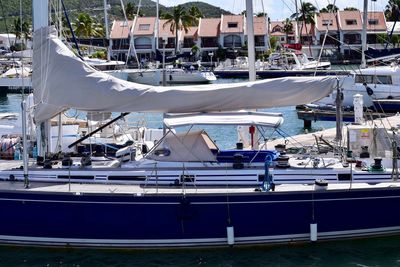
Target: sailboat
(119, 215)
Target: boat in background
(173, 76)
(285, 63)
(380, 82)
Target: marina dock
(329, 135)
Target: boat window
(126, 178)
(372, 79)
(364, 79)
(383, 79)
(290, 59)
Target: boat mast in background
(157, 23)
(297, 34)
(107, 32)
(364, 34)
(250, 40)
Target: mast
(296, 36)
(40, 14)
(364, 34)
(250, 40)
(107, 32)
(157, 23)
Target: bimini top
(271, 120)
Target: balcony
(143, 46)
(120, 47)
(232, 44)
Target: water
(363, 252)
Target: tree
(350, 8)
(26, 31)
(306, 15)
(329, 9)
(178, 20)
(17, 28)
(261, 14)
(392, 10)
(85, 26)
(273, 40)
(130, 10)
(195, 51)
(287, 27)
(195, 12)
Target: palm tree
(306, 15)
(17, 28)
(195, 12)
(130, 10)
(392, 10)
(194, 51)
(287, 27)
(329, 9)
(26, 31)
(86, 26)
(350, 8)
(178, 20)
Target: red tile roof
(327, 21)
(165, 30)
(120, 29)
(348, 17)
(192, 32)
(379, 17)
(260, 25)
(234, 19)
(209, 27)
(144, 26)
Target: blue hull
(112, 220)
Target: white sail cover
(270, 120)
(62, 80)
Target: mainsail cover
(62, 80)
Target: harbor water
(383, 251)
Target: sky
(281, 9)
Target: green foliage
(179, 19)
(395, 40)
(86, 26)
(220, 53)
(273, 40)
(195, 12)
(392, 10)
(99, 54)
(18, 47)
(350, 8)
(287, 26)
(381, 38)
(329, 8)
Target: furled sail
(62, 80)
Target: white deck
(136, 190)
